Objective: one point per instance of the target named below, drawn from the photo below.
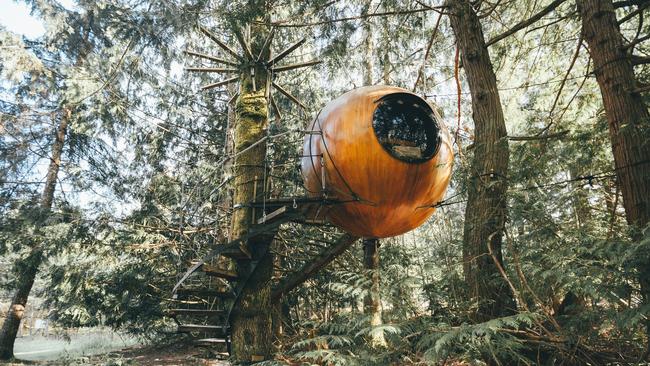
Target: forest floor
(170, 355)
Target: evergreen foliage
(145, 182)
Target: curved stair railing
(217, 304)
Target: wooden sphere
(385, 153)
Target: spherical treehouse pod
(384, 154)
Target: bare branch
(640, 60)
(541, 137)
(288, 95)
(521, 25)
(642, 89)
(221, 44)
(624, 3)
(295, 66)
(287, 51)
(426, 54)
(242, 42)
(266, 45)
(211, 58)
(275, 108)
(566, 76)
(221, 83)
(639, 10)
(210, 69)
(363, 16)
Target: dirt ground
(172, 355)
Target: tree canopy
(539, 252)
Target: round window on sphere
(406, 127)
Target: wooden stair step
(186, 302)
(236, 251)
(210, 341)
(200, 292)
(196, 312)
(219, 272)
(184, 328)
(272, 216)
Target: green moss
(252, 106)
(252, 112)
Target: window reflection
(406, 127)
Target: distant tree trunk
(252, 332)
(368, 45)
(385, 64)
(372, 302)
(486, 206)
(629, 120)
(28, 268)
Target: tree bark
(485, 214)
(368, 46)
(385, 64)
(628, 117)
(372, 302)
(251, 319)
(28, 268)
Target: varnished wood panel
(387, 196)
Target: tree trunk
(251, 321)
(628, 117)
(28, 267)
(385, 64)
(372, 302)
(486, 206)
(368, 46)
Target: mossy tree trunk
(251, 320)
(485, 214)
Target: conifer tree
(628, 117)
(486, 211)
